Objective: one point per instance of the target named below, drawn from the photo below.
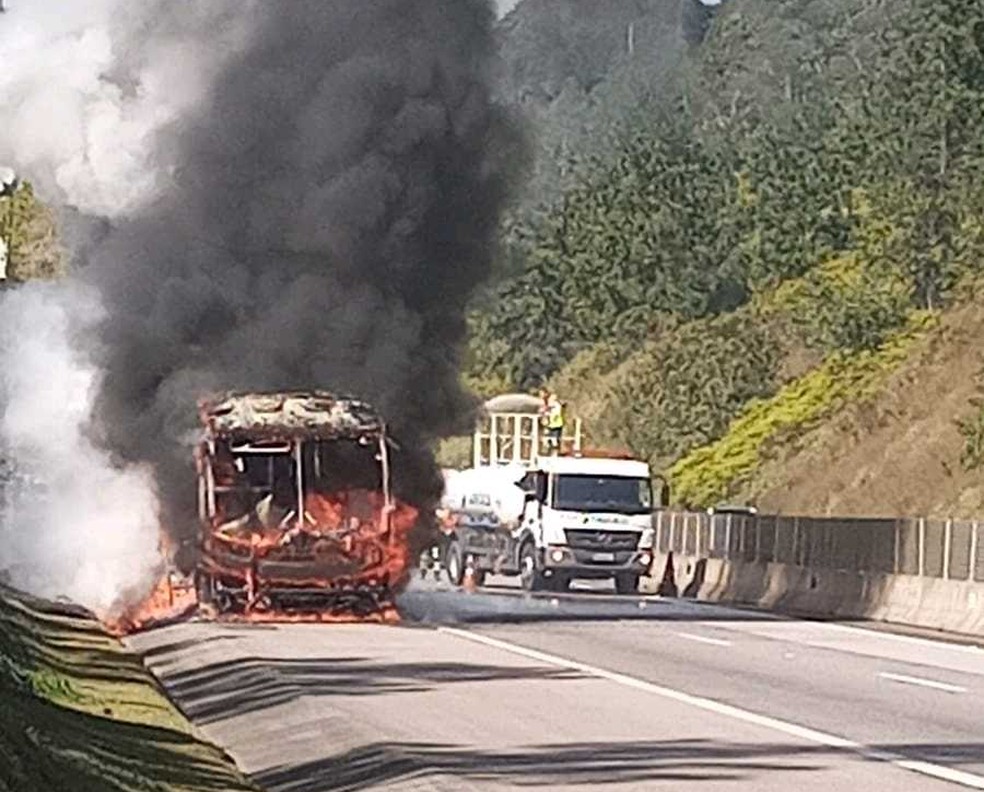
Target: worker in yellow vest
(552, 413)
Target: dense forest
(575, 69)
(754, 239)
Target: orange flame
(354, 533)
(168, 601)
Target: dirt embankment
(78, 713)
(899, 453)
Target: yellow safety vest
(555, 415)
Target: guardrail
(942, 549)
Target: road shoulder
(81, 713)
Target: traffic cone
(668, 586)
(468, 583)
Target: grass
(714, 472)
(78, 713)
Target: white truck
(546, 518)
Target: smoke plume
(298, 194)
(75, 525)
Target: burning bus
(296, 508)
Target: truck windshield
(616, 494)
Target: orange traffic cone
(468, 583)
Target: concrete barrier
(736, 562)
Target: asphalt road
(497, 690)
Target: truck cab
(587, 517)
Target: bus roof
(288, 415)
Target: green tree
(28, 227)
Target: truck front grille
(589, 558)
(602, 541)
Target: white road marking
(912, 640)
(760, 615)
(704, 639)
(928, 683)
(709, 705)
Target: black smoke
(330, 209)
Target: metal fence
(948, 549)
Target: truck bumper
(589, 564)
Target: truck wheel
(455, 563)
(530, 575)
(627, 584)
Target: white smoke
(85, 87)
(90, 530)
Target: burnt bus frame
(230, 572)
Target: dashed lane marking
(704, 639)
(920, 682)
(949, 774)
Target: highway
(498, 690)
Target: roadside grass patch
(81, 714)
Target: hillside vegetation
(767, 245)
(911, 446)
(576, 69)
(741, 232)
